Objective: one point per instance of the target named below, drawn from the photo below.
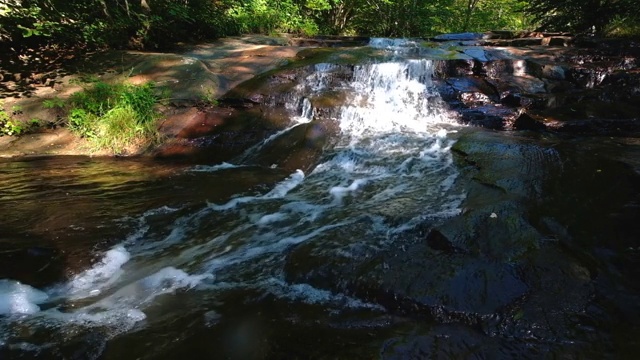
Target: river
(131, 258)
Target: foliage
(53, 103)
(208, 97)
(161, 23)
(412, 18)
(114, 116)
(593, 16)
(116, 23)
(270, 16)
(623, 26)
(11, 126)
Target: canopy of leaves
(584, 15)
(156, 23)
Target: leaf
(26, 32)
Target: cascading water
(390, 169)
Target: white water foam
(143, 291)
(114, 314)
(214, 168)
(101, 275)
(18, 298)
(398, 97)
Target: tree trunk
(471, 5)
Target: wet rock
(623, 85)
(522, 42)
(547, 70)
(36, 266)
(299, 148)
(454, 68)
(216, 134)
(515, 100)
(330, 41)
(472, 90)
(441, 341)
(519, 84)
(527, 122)
(588, 77)
(508, 272)
(464, 267)
(496, 69)
(494, 117)
(437, 241)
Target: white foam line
(279, 191)
(248, 253)
(296, 121)
(143, 227)
(339, 192)
(314, 296)
(214, 168)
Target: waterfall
(393, 97)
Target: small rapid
(389, 169)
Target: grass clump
(115, 117)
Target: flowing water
(249, 259)
(146, 243)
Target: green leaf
(26, 32)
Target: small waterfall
(307, 110)
(393, 97)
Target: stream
(133, 258)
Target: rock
(465, 267)
(217, 134)
(526, 122)
(490, 116)
(437, 241)
(557, 41)
(472, 90)
(299, 148)
(454, 68)
(546, 71)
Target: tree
(581, 15)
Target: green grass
(115, 117)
